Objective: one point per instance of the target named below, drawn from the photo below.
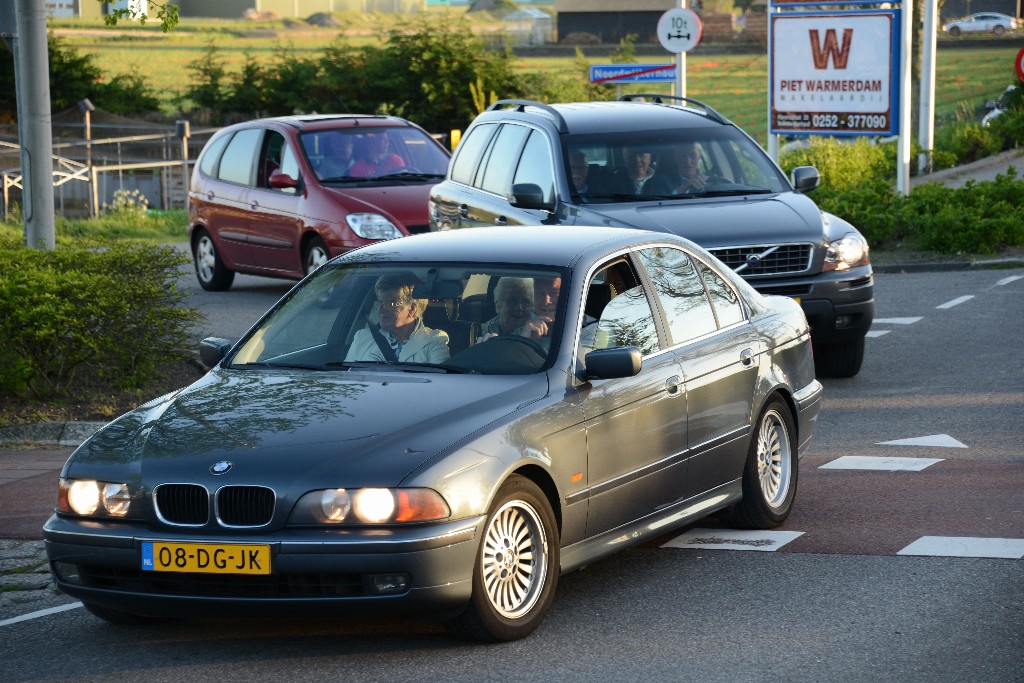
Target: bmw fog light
(67, 572)
(388, 584)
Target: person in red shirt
(377, 159)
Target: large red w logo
(831, 47)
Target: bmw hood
(305, 427)
(732, 221)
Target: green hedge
(114, 312)
(857, 185)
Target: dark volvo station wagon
(669, 165)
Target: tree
(166, 12)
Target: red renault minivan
(280, 196)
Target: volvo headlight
(372, 226)
(370, 506)
(846, 253)
(91, 498)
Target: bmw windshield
(472, 318)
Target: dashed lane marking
(877, 333)
(733, 539)
(1008, 280)
(898, 321)
(956, 302)
(40, 613)
(958, 546)
(864, 462)
(933, 441)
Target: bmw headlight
(91, 498)
(846, 253)
(372, 226)
(370, 506)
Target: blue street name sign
(632, 73)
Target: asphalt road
(909, 574)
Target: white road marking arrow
(935, 440)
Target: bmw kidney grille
(235, 506)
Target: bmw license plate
(206, 558)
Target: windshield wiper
(405, 367)
(342, 179)
(291, 366)
(735, 192)
(407, 174)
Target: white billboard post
(842, 72)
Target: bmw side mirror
(805, 178)
(212, 350)
(622, 361)
(530, 196)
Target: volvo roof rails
(660, 99)
(521, 105)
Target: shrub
(968, 142)
(116, 311)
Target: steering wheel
(525, 341)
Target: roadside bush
(857, 185)
(115, 313)
(75, 76)
(968, 142)
(978, 218)
(841, 165)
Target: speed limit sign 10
(679, 30)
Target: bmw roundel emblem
(221, 467)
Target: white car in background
(982, 22)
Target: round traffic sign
(1019, 63)
(679, 29)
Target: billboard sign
(834, 73)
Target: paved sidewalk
(28, 492)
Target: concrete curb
(50, 433)
(967, 171)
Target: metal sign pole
(903, 153)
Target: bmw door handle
(747, 356)
(501, 220)
(672, 385)
(463, 210)
(255, 205)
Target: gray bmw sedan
(444, 424)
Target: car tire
(512, 591)
(314, 254)
(955, 32)
(997, 30)
(115, 616)
(211, 272)
(839, 360)
(770, 473)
